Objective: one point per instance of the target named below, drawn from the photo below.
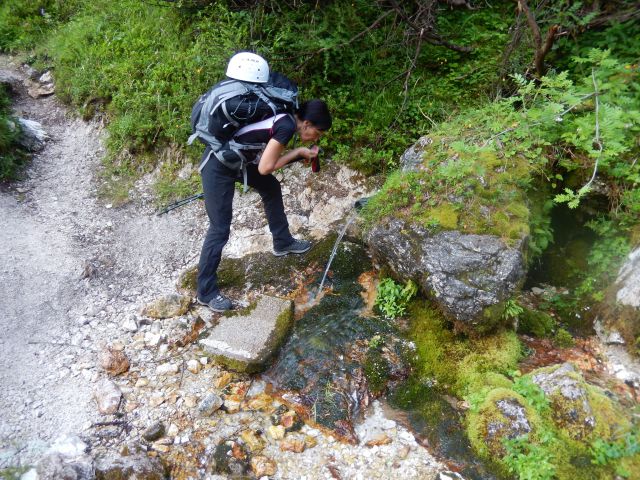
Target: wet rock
(245, 342)
(372, 431)
(32, 135)
(130, 467)
(467, 276)
(449, 476)
(114, 362)
(154, 432)
(253, 441)
(167, 307)
(230, 458)
(262, 466)
(107, 395)
(567, 392)
(293, 443)
(209, 404)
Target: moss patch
(458, 364)
(536, 323)
(471, 190)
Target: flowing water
(351, 218)
(321, 369)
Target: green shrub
(12, 157)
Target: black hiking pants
(218, 184)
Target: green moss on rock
(503, 414)
(188, 281)
(376, 371)
(536, 323)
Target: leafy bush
(11, 156)
(392, 298)
(24, 23)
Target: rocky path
(71, 269)
(74, 275)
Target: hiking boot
(297, 246)
(219, 303)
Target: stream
(325, 369)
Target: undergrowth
(12, 157)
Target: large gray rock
(247, 340)
(32, 135)
(467, 276)
(629, 281)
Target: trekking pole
(180, 203)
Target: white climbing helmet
(248, 67)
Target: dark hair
(317, 112)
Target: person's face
(310, 133)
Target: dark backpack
(232, 104)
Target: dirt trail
(70, 270)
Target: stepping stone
(245, 340)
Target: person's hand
(308, 154)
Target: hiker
(309, 122)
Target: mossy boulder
(167, 307)
(468, 276)
(579, 411)
(504, 414)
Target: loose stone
(293, 443)
(107, 396)
(209, 404)
(276, 432)
(167, 369)
(113, 361)
(193, 366)
(263, 466)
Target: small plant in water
(529, 461)
(392, 298)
